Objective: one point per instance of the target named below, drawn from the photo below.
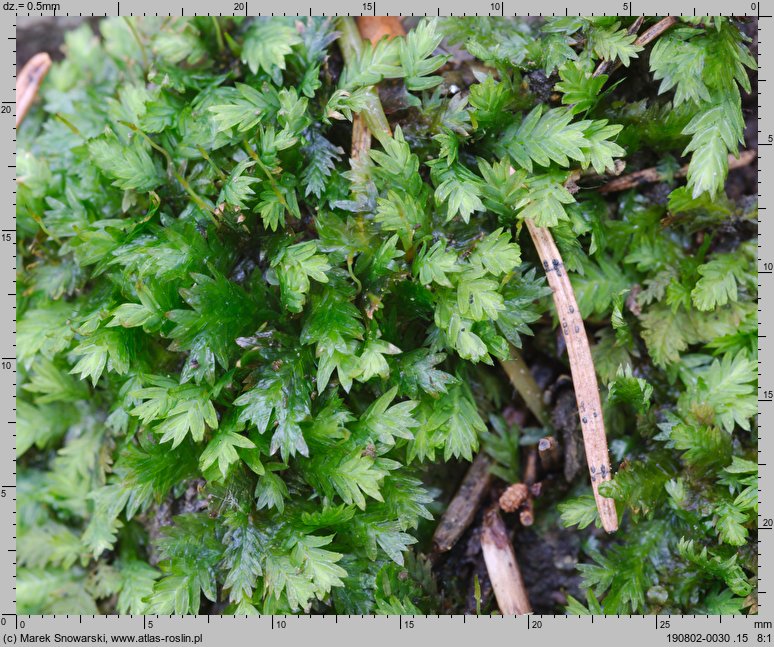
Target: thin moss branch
(521, 379)
(218, 35)
(73, 128)
(178, 176)
(269, 176)
(136, 36)
(212, 164)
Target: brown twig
(652, 174)
(521, 379)
(635, 26)
(502, 566)
(648, 36)
(527, 512)
(27, 83)
(361, 137)
(463, 507)
(652, 33)
(548, 449)
(530, 467)
(582, 368)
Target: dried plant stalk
(582, 368)
(27, 83)
(652, 33)
(361, 137)
(550, 455)
(501, 564)
(652, 174)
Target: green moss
(242, 354)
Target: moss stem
(521, 378)
(351, 45)
(135, 34)
(183, 182)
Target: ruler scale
(382, 630)
(8, 343)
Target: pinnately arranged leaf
(296, 265)
(130, 167)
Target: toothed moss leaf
(267, 45)
(296, 265)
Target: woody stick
(584, 377)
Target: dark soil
(44, 34)
(546, 552)
(547, 558)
